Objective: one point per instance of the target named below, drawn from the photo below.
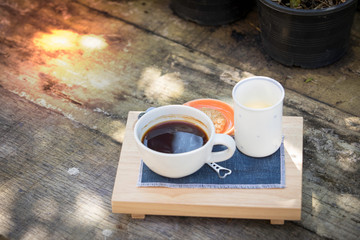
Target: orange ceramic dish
(221, 113)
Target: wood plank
(39, 197)
(63, 206)
(276, 222)
(232, 203)
(239, 45)
(138, 216)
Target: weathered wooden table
(70, 71)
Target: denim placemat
(247, 172)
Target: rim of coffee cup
(209, 125)
(259, 78)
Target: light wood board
(276, 205)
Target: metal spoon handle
(219, 169)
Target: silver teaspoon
(217, 168)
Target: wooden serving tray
(276, 205)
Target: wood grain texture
(64, 110)
(239, 45)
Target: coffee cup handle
(227, 141)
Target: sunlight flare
(56, 40)
(93, 42)
(68, 40)
(161, 88)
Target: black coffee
(174, 137)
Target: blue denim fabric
(247, 172)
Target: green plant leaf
(295, 3)
(308, 80)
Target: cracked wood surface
(64, 105)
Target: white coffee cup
(258, 103)
(175, 165)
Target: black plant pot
(305, 38)
(212, 12)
